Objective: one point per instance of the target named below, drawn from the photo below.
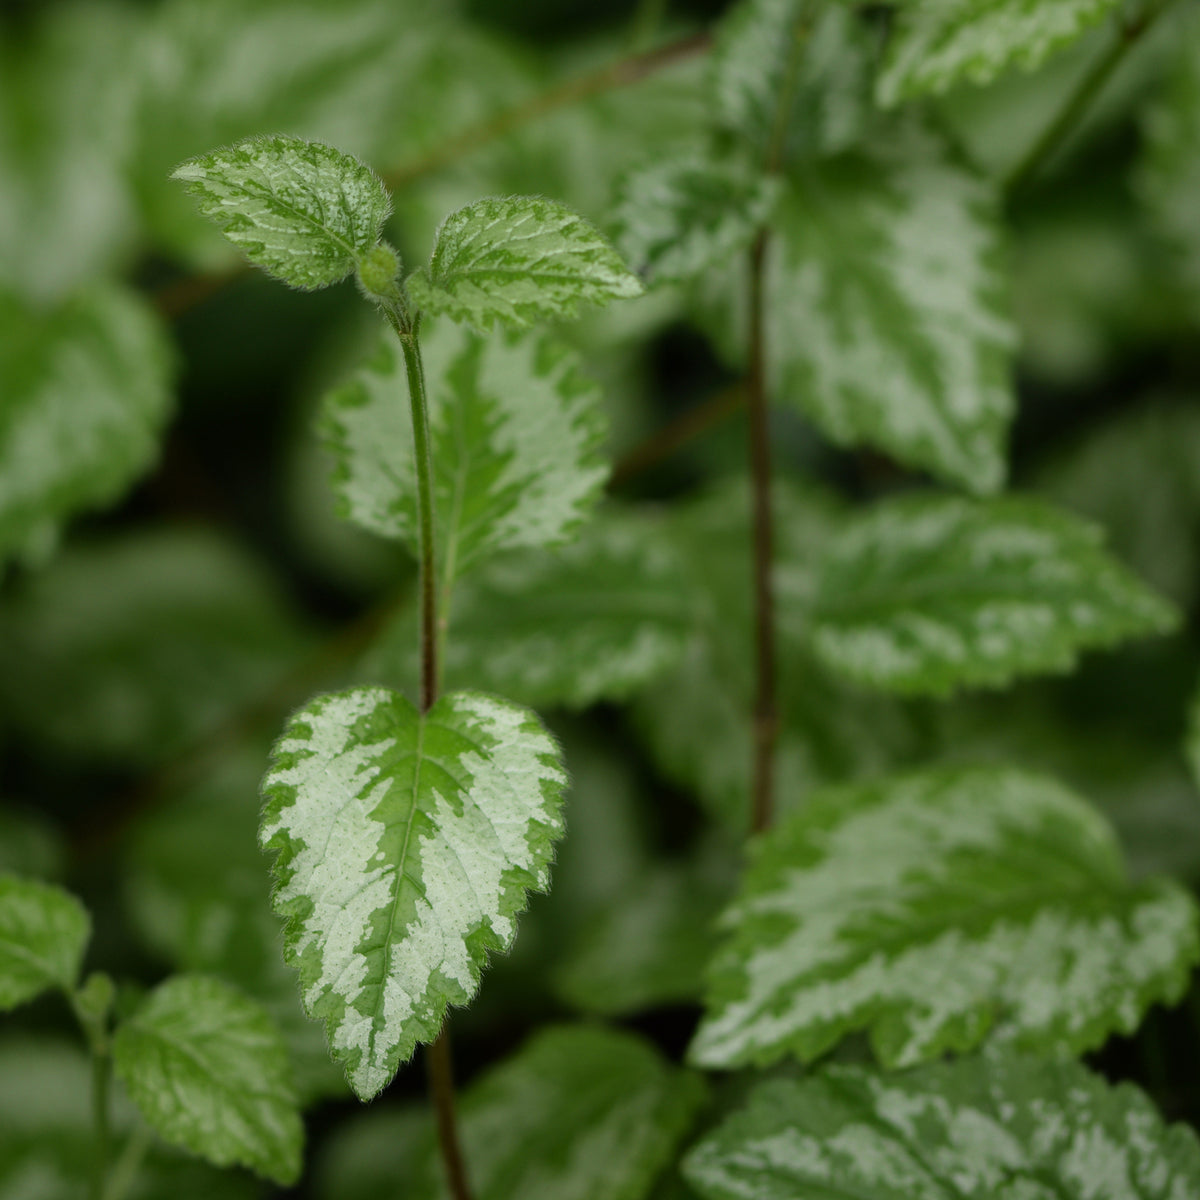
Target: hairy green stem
(438, 1061)
(1082, 97)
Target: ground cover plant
(599, 604)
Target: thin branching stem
(101, 1080)
(440, 1068)
(1081, 98)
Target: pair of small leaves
(205, 1065)
(406, 845)
(988, 1126)
(310, 215)
(934, 909)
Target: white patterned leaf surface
(984, 1126)
(517, 430)
(933, 909)
(43, 934)
(889, 259)
(1169, 179)
(303, 211)
(935, 44)
(209, 1071)
(771, 53)
(518, 260)
(595, 620)
(675, 218)
(405, 845)
(86, 392)
(928, 593)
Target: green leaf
(406, 845)
(48, 1146)
(86, 392)
(935, 44)
(1138, 475)
(933, 909)
(128, 649)
(208, 1071)
(927, 593)
(595, 620)
(303, 211)
(650, 945)
(889, 260)
(516, 428)
(677, 217)
(517, 260)
(196, 892)
(987, 1126)
(1170, 173)
(43, 934)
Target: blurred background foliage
(150, 648)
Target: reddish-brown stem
(440, 1068)
(766, 718)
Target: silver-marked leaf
(86, 391)
(1169, 179)
(518, 260)
(43, 934)
(675, 218)
(927, 593)
(935, 44)
(303, 211)
(889, 261)
(771, 53)
(208, 1071)
(595, 620)
(516, 427)
(933, 909)
(406, 845)
(987, 1126)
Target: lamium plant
(851, 714)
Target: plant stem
(441, 1088)
(128, 1163)
(766, 720)
(406, 331)
(101, 1073)
(1085, 92)
(437, 1059)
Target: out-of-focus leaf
(43, 934)
(86, 391)
(128, 649)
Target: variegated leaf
(677, 217)
(988, 1126)
(517, 431)
(86, 392)
(517, 260)
(933, 909)
(43, 934)
(927, 593)
(303, 211)
(935, 44)
(406, 845)
(889, 260)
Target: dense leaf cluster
(862, 782)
